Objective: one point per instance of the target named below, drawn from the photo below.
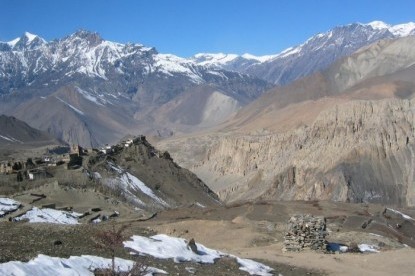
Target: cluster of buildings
(35, 168)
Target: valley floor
(251, 230)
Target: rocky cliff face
(359, 152)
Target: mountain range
(315, 54)
(97, 91)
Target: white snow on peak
(290, 51)
(378, 25)
(165, 247)
(399, 30)
(74, 265)
(30, 37)
(13, 42)
(213, 59)
(403, 29)
(168, 64)
(218, 59)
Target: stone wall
(305, 231)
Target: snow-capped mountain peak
(26, 41)
(13, 42)
(403, 29)
(398, 30)
(30, 37)
(315, 54)
(378, 25)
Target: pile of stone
(305, 231)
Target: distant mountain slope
(386, 61)
(344, 134)
(16, 133)
(315, 54)
(127, 81)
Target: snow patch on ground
(166, 247)
(200, 205)
(11, 139)
(6, 138)
(400, 213)
(8, 205)
(368, 248)
(71, 106)
(74, 265)
(137, 184)
(129, 182)
(88, 96)
(46, 215)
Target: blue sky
(186, 27)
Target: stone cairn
(305, 231)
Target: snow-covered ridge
(399, 30)
(87, 54)
(221, 59)
(170, 64)
(30, 37)
(259, 58)
(213, 58)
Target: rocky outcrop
(148, 178)
(360, 151)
